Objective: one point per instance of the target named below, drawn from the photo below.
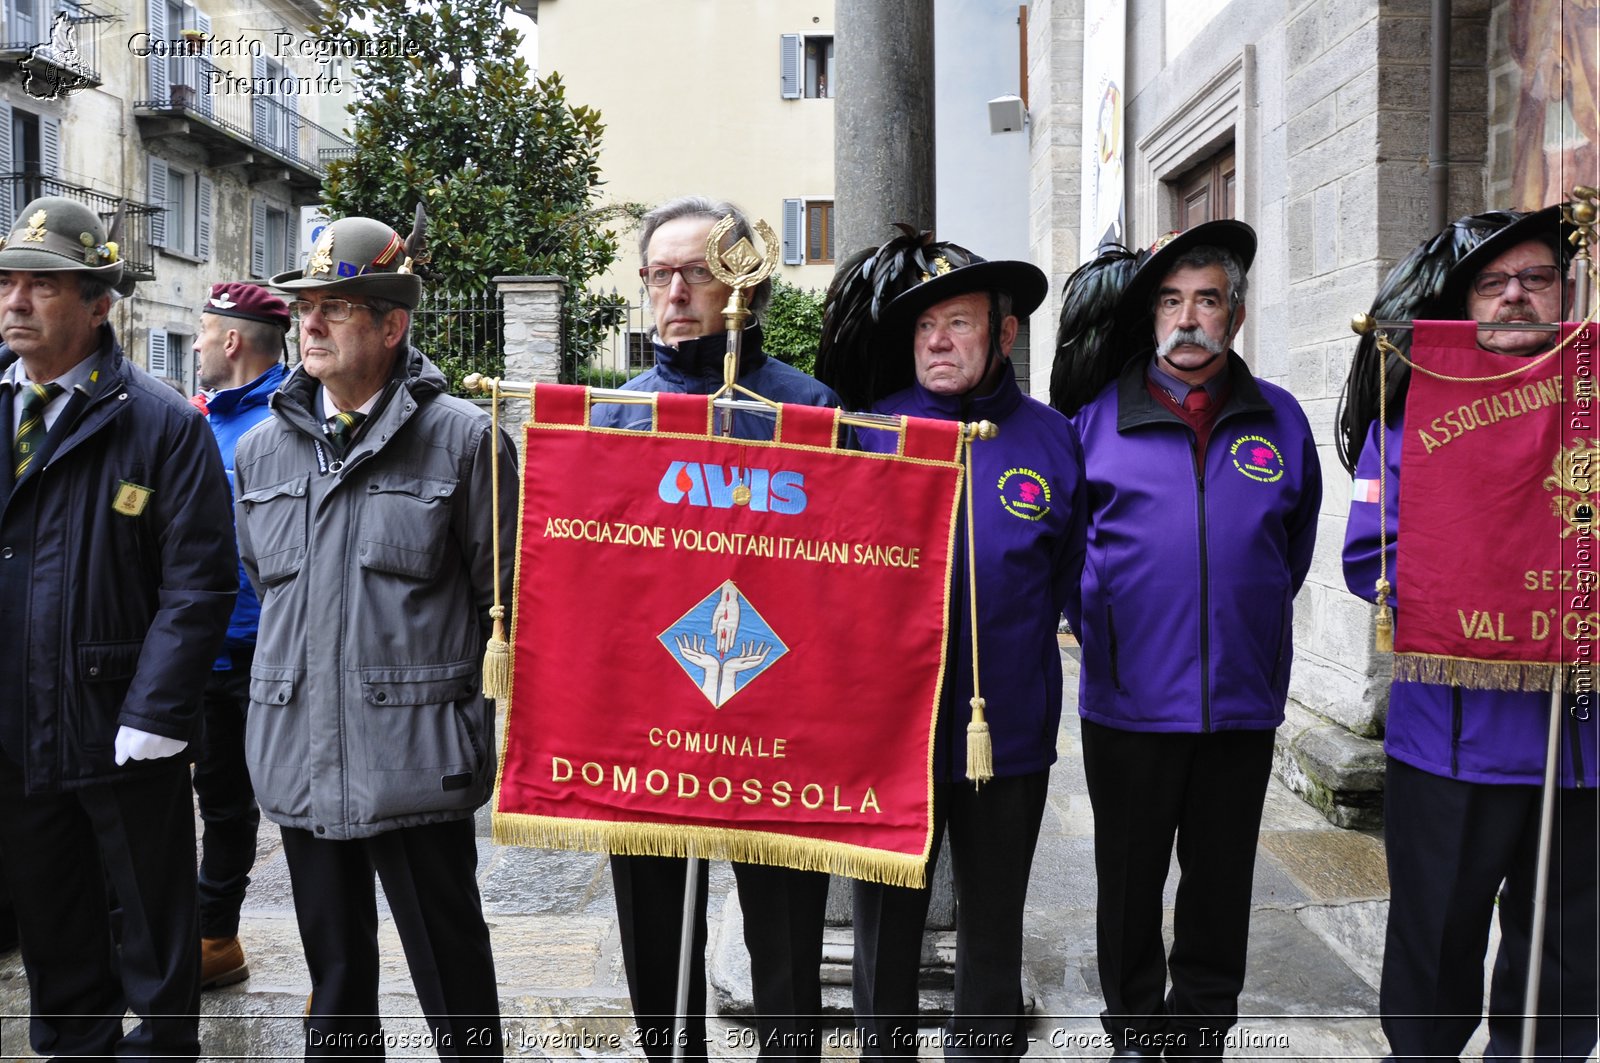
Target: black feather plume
(1411, 290)
(863, 286)
(1091, 345)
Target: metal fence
(626, 350)
(461, 331)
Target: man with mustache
(1462, 785)
(1203, 488)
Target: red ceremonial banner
(727, 648)
(1497, 563)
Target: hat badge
(223, 301)
(35, 233)
(941, 266)
(322, 255)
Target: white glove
(133, 744)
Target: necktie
(342, 427)
(1197, 401)
(31, 430)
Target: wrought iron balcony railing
(198, 88)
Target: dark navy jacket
(117, 573)
(1482, 736)
(1189, 583)
(231, 413)
(694, 367)
(1028, 510)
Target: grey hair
(1209, 255)
(715, 210)
(382, 307)
(92, 288)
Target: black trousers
(783, 914)
(1453, 847)
(1204, 791)
(429, 877)
(59, 852)
(993, 832)
(227, 800)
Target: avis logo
(720, 487)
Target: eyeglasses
(332, 309)
(1532, 279)
(661, 276)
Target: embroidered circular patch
(1024, 493)
(1258, 458)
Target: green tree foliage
(448, 114)
(791, 326)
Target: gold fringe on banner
(1478, 675)
(711, 843)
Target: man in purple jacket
(1203, 488)
(1462, 787)
(949, 337)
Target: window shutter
(258, 238)
(158, 197)
(291, 240)
(7, 192)
(260, 105)
(203, 222)
(206, 98)
(156, 64)
(157, 361)
(793, 217)
(49, 145)
(791, 61)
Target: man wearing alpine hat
(365, 520)
(239, 360)
(117, 573)
(941, 348)
(1203, 486)
(1462, 787)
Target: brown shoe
(221, 962)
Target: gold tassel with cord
(1383, 632)
(497, 654)
(980, 750)
(497, 658)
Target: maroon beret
(249, 301)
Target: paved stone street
(1315, 950)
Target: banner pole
(1541, 875)
(691, 904)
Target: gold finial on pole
(741, 268)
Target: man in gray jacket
(365, 520)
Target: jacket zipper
(1205, 606)
(1455, 732)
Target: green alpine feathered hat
(361, 256)
(55, 234)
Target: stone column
(883, 120)
(532, 310)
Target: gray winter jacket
(375, 576)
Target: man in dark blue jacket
(1203, 487)
(949, 335)
(783, 908)
(117, 573)
(1462, 786)
(239, 358)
